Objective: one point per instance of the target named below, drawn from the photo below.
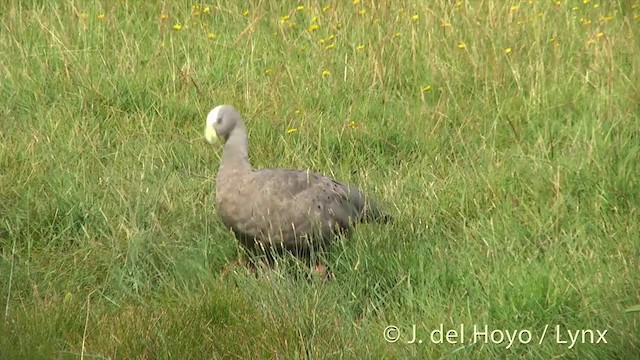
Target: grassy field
(504, 137)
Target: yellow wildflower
(606, 18)
(313, 27)
(356, 2)
(326, 8)
(330, 46)
(206, 10)
(268, 71)
(211, 35)
(362, 12)
(177, 26)
(292, 130)
(514, 8)
(245, 12)
(101, 17)
(326, 72)
(300, 8)
(360, 47)
(459, 4)
(352, 124)
(507, 50)
(426, 88)
(164, 17)
(461, 45)
(415, 18)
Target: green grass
(513, 179)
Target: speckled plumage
(296, 210)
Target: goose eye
(219, 120)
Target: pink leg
(322, 271)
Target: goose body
(280, 209)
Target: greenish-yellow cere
(210, 134)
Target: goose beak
(210, 134)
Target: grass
(503, 137)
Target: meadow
(503, 137)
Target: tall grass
(503, 137)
